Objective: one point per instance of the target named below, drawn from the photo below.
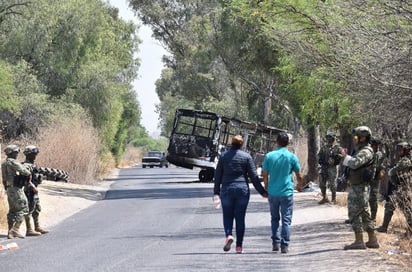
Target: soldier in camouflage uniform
(361, 170)
(329, 157)
(399, 191)
(31, 152)
(15, 175)
(378, 176)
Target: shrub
(70, 143)
(131, 156)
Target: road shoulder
(60, 200)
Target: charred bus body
(199, 137)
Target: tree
(79, 52)
(332, 64)
(215, 58)
(6, 88)
(9, 8)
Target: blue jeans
(234, 204)
(281, 207)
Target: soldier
(31, 152)
(379, 174)
(15, 175)
(361, 170)
(329, 157)
(397, 189)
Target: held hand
(344, 152)
(265, 194)
(35, 190)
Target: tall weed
(71, 144)
(131, 156)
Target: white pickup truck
(155, 158)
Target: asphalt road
(160, 219)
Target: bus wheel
(210, 174)
(203, 176)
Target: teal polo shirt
(280, 164)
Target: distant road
(161, 219)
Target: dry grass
(71, 144)
(4, 207)
(131, 156)
(394, 241)
(105, 165)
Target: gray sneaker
(284, 250)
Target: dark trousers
(234, 205)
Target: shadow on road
(159, 193)
(89, 194)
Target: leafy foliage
(6, 88)
(320, 64)
(68, 53)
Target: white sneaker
(228, 243)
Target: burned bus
(199, 137)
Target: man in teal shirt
(277, 169)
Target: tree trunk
(313, 148)
(266, 110)
(346, 139)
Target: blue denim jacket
(234, 169)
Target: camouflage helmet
(11, 148)
(362, 131)
(330, 134)
(31, 149)
(403, 145)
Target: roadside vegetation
(66, 73)
(393, 244)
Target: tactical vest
(329, 153)
(8, 172)
(366, 173)
(404, 177)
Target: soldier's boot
(29, 229)
(358, 244)
(373, 241)
(324, 199)
(333, 197)
(382, 228)
(40, 229)
(386, 219)
(14, 231)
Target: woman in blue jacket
(234, 169)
